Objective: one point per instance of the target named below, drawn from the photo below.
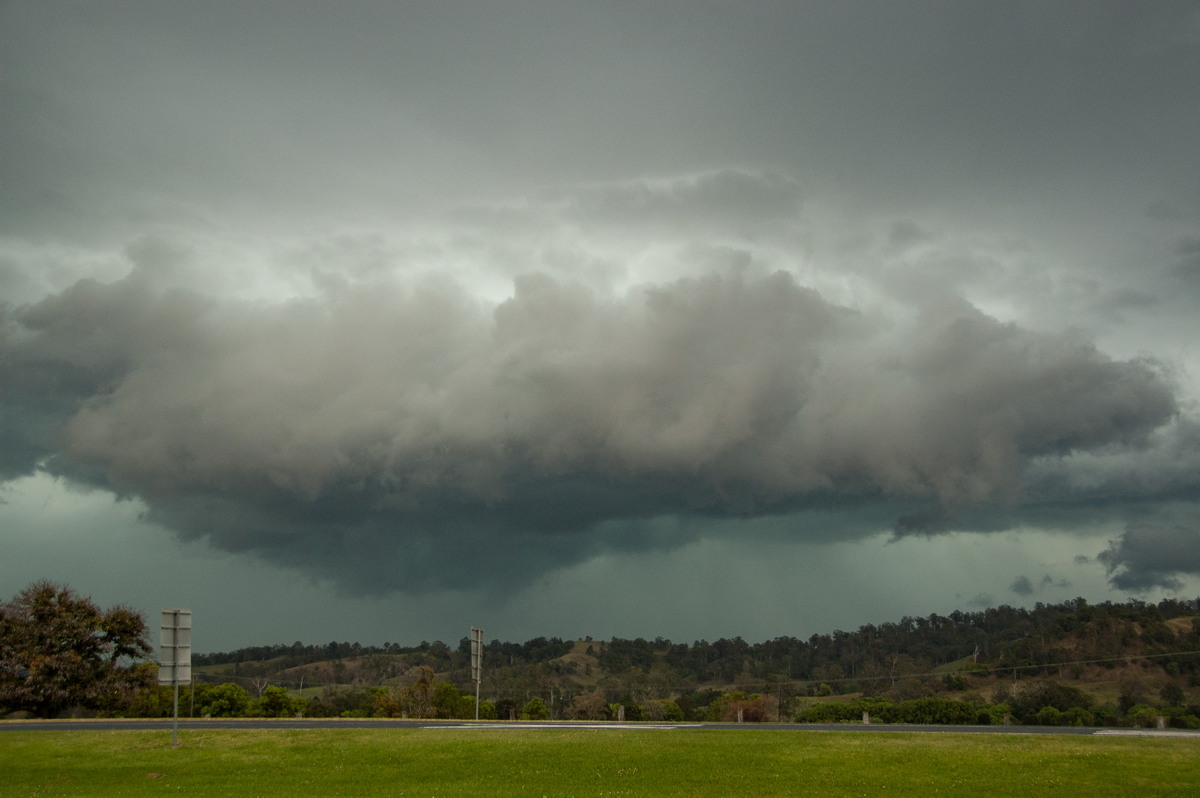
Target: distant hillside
(1123, 654)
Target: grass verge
(437, 763)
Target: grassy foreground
(581, 762)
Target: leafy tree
(1142, 716)
(1037, 696)
(830, 712)
(738, 706)
(997, 714)
(535, 709)
(343, 702)
(1048, 716)
(156, 701)
(387, 703)
(1171, 695)
(276, 702)
(221, 701)
(448, 702)
(1078, 716)
(588, 706)
(931, 709)
(506, 708)
(59, 651)
(663, 709)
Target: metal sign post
(476, 662)
(175, 657)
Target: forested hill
(1047, 638)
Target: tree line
(59, 653)
(1006, 638)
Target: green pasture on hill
(436, 763)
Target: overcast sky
(375, 321)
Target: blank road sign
(476, 652)
(175, 647)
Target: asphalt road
(189, 724)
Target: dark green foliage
(930, 710)
(1171, 695)
(695, 705)
(1042, 703)
(924, 711)
(662, 710)
(338, 702)
(621, 655)
(448, 702)
(535, 709)
(59, 651)
(885, 659)
(220, 701)
(632, 711)
(831, 712)
(954, 681)
(506, 709)
(1037, 696)
(276, 702)
(1014, 655)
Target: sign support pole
(477, 662)
(175, 659)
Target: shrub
(993, 714)
(1078, 716)
(1048, 716)
(930, 710)
(1142, 716)
(1184, 721)
(663, 710)
(535, 709)
(275, 702)
(752, 708)
(221, 701)
(1039, 695)
(830, 712)
(954, 681)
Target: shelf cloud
(379, 429)
(712, 311)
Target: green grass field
(581, 762)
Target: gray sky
(374, 321)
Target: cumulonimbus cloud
(400, 434)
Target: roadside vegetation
(1073, 664)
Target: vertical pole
(175, 659)
(477, 662)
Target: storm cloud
(1153, 555)
(605, 305)
(378, 428)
